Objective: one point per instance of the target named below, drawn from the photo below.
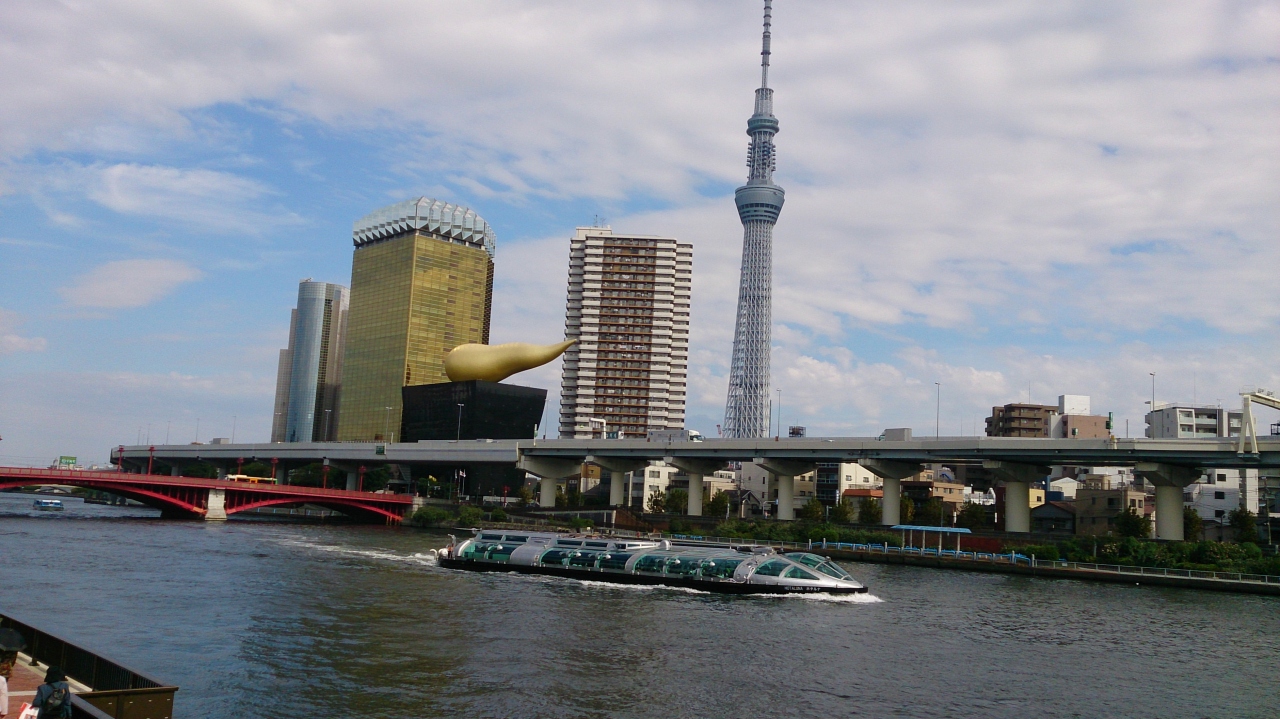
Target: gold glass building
(421, 284)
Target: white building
(1219, 491)
(1188, 421)
(628, 307)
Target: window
(651, 563)
(614, 561)
(1219, 495)
(720, 568)
(1111, 501)
(798, 573)
(773, 568)
(1133, 503)
(1222, 478)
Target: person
(7, 660)
(53, 698)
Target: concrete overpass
(1169, 464)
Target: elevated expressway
(1169, 464)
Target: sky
(987, 202)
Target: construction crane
(1248, 425)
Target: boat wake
(863, 598)
(424, 559)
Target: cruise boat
(730, 570)
(48, 505)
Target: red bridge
(200, 498)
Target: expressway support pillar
(617, 469)
(175, 470)
(549, 469)
(353, 480)
(891, 474)
(697, 469)
(216, 506)
(695, 495)
(1169, 480)
(786, 496)
(1018, 479)
(785, 472)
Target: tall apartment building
(309, 376)
(628, 307)
(421, 284)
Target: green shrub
(580, 523)
(429, 517)
(469, 516)
(498, 515)
(679, 526)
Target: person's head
(7, 660)
(54, 675)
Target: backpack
(57, 704)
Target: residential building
(1054, 518)
(1188, 421)
(309, 375)
(1070, 419)
(642, 483)
(832, 480)
(628, 307)
(1098, 503)
(753, 478)
(1020, 420)
(421, 284)
(1219, 491)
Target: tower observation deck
(759, 202)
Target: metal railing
(112, 684)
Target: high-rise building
(421, 284)
(628, 308)
(746, 413)
(309, 377)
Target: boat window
(651, 563)
(683, 566)
(497, 537)
(810, 560)
(773, 568)
(798, 573)
(476, 550)
(720, 568)
(513, 538)
(832, 569)
(500, 552)
(568, 543)
(613, 560)
(554, 556)
(601, 545)
(583, 559)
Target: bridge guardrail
(116, 690)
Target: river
(259, 619)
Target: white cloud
(11, 342)
(128, 283)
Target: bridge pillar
(547, 492)
(216, 506)
(617, 469)
(175, 470)
(353, 480)
(695, 495)
(785, 471)
(1169, 480)
(697, 469)
(891, 474)
(1018, 479)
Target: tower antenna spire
(764, 50)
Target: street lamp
(937, 431)
(325, 438)
(779, 413)
(459, 437)
(386, 424)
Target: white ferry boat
(48, 505)
(730, 570)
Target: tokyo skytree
(746, 414)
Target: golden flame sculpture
(498, 362)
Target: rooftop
(453, 223)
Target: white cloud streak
(128, 283)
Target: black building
(470, 410)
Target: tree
(843, 512)
(930, 513)
(1245, 524)
(677, 501)
(906, 510)
(718, 506)
(972, 516)
(1132, 524)
(813, 510)
(869, 511)
(657, 501)
(1192, 525)
(525, 493)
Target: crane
(1248, 425)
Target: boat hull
(720, 587)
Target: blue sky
(1002, 197)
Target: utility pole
(937, 431)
